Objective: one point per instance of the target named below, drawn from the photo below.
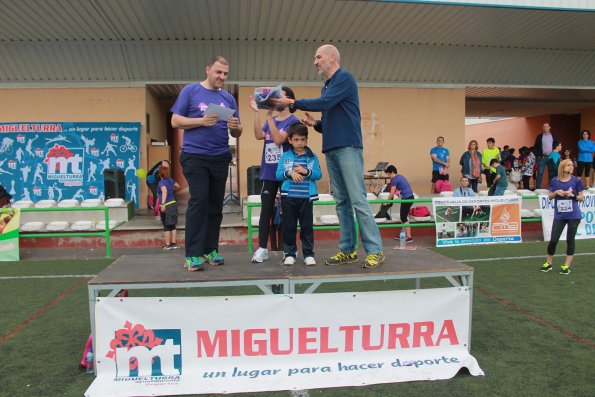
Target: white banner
(196, 345)
(586, 229)
(477, 220)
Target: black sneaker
(341, 259)
(173, 246)
(565, 270)
(546, 267)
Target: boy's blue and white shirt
(307, 188)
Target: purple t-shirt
(169, 185)
(402, 186)
(271, 153)
(192, 102)
(566, 207)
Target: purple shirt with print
(567, 207)
(192, 102)
(271, 152)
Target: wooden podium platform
(134, 272)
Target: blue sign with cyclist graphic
(57, 161)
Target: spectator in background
(544, 145)
(586, 147)
(500, 182)
(471, 164)
(504, 153)
(400, 186)
(554, 158)
(440, 162)
(527, 165)
(568, 156)
(464, 190)
(513, 167)
(489, 153)
(168, 207)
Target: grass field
(533, 333)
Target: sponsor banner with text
(477, 220)
(56, 161)
(586, 229)
(195, 345)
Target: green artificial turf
(533, 333)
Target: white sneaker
(260, 255)
(309, 261)
(289, 261)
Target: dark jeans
(267, 211)
(207, 179)
(473, 183)
(297, 210)
(526, 180)
(489, 177)
(557, 228)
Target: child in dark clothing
(298, 168)
(168, 207)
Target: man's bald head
(327, 60)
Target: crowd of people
(523, 169)
(290, 168)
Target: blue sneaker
(214, 258)
(194, 263)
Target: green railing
(253, 229)
(105, 233)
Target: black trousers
(267, 211)
(526, 179)
(557, 228)
(207, 178)
(489, 177)
(297, 210)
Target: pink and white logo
(135, 350)
(39, 152)
(12, 164)
(114, 138)
(93, 190)
(203, 106)
(37, 191)
(21, 138)
(95, 151)
(120, 163)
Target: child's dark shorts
(169, 218)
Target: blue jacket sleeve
(280, 174)
(335, 93)
(315, 173)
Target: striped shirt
(299, 189)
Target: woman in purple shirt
(274, 134)
(566, 190)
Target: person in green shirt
(487, 154)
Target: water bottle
(402, 238)
(90, 362)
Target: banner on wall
(58, 161)
(586, 229)
(477, 220)
(9, 234)
(196, 345)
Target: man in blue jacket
(342, 144)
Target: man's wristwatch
(291, 105)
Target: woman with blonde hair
(471, 164)
(566, 190)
